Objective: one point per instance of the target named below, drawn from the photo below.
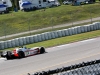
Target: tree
(15, 4)
(60, 1)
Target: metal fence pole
(52, 23)
(71, 15)
(29, 27)
(4, 28)
(91, 15)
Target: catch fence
(84, 68)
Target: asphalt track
(55, 57)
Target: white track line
(66, 45)
(74, 43)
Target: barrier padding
(39, 37)
(5, 44)
(9, 43)
(35, 38)
(49, 35)
(13, 43)
(46, 36)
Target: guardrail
(84, 68)
(48, 35)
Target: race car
(22, 52)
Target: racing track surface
(55, 57)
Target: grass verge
(17, 22)
(48, 30)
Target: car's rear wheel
(8, 56)
(42, 50)
(21, 54)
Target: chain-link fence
(18, 23)
(88, 70)
(85, 68)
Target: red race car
(22, 52)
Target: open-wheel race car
(22, 52)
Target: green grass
(16, 22)
(39, 32)
(49, 30)
(65, 40)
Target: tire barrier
(84, 68)
(13, 43)
(36, 39)
(43, 37)
(16, 42)
(46, 36)
(9, 44)
(55, 33)
(49, 35)
(2, 44)
(5, 44)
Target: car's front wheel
(8, 56)
(42, 50)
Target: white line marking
(67, 45)
(2, 59)
(77, 42)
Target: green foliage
(15, 3)
(60, 1)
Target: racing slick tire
(42, 50)
(8, 56)
(21, 54)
